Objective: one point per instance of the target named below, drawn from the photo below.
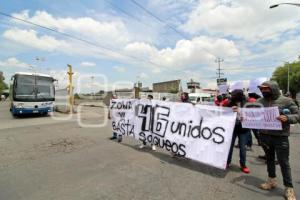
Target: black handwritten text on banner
(202, 133)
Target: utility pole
(70, 87)
(39, 61)
(92, 89)
(288, 78)
(219, 60)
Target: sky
(125, 41)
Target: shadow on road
(182, 162)
(24, 116)
(252, 183)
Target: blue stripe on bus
(31, 110)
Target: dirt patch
(65, 145)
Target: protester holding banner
(149, 97)
(115, 135)
(276, 141)
(218, 100)
(238, 100)
(185, 97)
(252, 98)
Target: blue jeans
(243, 139)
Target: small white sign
(261, 118)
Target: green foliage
(3, 85)
(76, 96)
(280, 75)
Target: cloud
(143, 75)
(31, 39)
(104, 32)
(248, 19)
(87, 64)
(119, 69)
(199, 50)
(13, 62)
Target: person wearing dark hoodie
(277, 141)
(238, 100)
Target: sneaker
(269, 184)
(153, 148)
(113, 138)
(289, 193)
(141, 146)
(228, 166)
(120, 139)
(245, 169)
(264, 157)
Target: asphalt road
(45, 158)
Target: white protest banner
(253, 85)
(202, 133)
(144, 118)
(261, 118)
(122, 112)
(223, 89)
(236, 85)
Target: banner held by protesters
(202, 133)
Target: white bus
(203, 97)
(31, 93)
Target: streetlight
(276, 5)
(288, 79)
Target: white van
(204, 97)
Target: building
(193, 85)
(167, 86)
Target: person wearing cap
(277, 141)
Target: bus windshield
(33, 88)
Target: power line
(125, 12)
(77, 38)
(157, 18)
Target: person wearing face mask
(277, 141)
(218, 100)
(238, 100)
(185, 97)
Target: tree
(3, 85)
(281, 74)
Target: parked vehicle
(201, 97)
(31, 93)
